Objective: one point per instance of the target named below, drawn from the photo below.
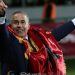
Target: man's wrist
(73, 21)
(2, 20)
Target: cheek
(13, 26)
(26, 27)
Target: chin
(22, 36)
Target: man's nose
(19, 25)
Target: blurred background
(64, 9)
(49, 14)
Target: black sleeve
(3, 31)
(4, 40)
(63, 30)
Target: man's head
(20, 23)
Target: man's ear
(28, 26)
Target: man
(25, 50)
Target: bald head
(19, 14)
(20, 23)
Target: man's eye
(23, 22)
(15, 21)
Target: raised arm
(3, 29)
(64, 30)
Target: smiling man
(20, 23)
(30, 50)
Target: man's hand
(3, 6)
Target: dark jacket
(12, 52)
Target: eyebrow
(17, 20)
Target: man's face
(20, 24)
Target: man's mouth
(19, 31)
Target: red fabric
(39, 62)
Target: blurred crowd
(13, 3)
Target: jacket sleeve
(4, 40)
(63, 30)
(3, 28)
(4, 32)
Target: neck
(25, 37)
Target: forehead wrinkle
(20, 16)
